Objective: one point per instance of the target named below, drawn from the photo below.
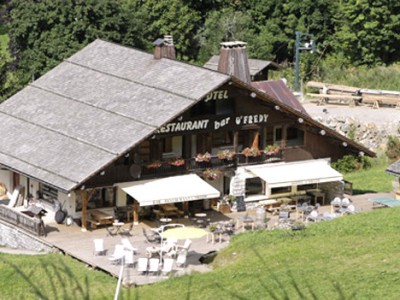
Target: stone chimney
(233, 60)
(164, 48)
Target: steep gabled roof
(394, 169)
(93, 107)
(97, 105)
(255, 65)
(279, 90)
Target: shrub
(393, 148)
(350, 163)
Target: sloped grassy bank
(354, 257)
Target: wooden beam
(85, 201)
(135, 212)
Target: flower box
(177, 162)
(251, 152)
(226, 154)
(154, 165)
(212, 174)
(271, 150)
(203, 157)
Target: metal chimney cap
(233, 44)
(158, 42)
(168, 39)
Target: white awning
(296, 173)
(169, 190)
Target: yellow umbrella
(182, 233)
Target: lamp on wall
(322, 132)
(253, 95)
(300, 120)
(344, 144)
(361, 153)
(277, 107)
(102, 173)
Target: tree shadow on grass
(361, 192)
(301, 293)
(61, 282)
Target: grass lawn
(354, 257)
(373, 180)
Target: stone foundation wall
(332, 190)
(13, 237)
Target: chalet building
(113, 126)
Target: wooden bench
(325, 98)
(377, 100)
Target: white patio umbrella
(183, 233)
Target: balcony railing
(163, 168)
(31, 224)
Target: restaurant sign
(177, 199)
(213, 124)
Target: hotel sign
(213, 124)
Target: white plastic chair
(118, 254)
(128, 257)
(167, 266)
(154, 265)
(313, 216)
(181, 259)
(127, 245)
(345, 203)
(185, 246)
(98, 247)
(142, 265)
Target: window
(48, 193)
(306, 187)
(278, 135)
(222, 138)
(254, 186)
(294, 137)
(281, 190)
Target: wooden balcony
(190, 165)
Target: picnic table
(384, 202)
(98, 217)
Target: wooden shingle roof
(92, 108)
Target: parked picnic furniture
(169, 211)
(127, 245)
(185, 246)
(151, 237)
(384, 202)
(118, 254)
(167, 266)
(154, 266)
(97, 218)
(142, 265)
(181, 259)
(126, 231)
(99, 247)
(129, 257)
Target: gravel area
(381, 116)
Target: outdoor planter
(212, 174)
(226, 155)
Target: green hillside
(353, 257)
